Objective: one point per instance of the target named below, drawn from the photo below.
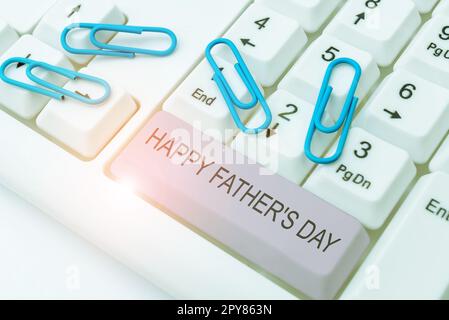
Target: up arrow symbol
(359, 17)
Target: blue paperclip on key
(231, 100)
(54, 91)
(116, 50)
(345, 119)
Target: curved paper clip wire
(55, 91)
(345, 117)
(115, 50)
(248, 80)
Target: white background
(41, 259)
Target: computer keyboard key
(23, 15)
(411, 258)
(86, 129)
(409, 112)
(281, 147)
(199, 102)
(67, 12)
(269, 42)
(381, 28)
(311, 14)
(7, 36)
(311, 245)
(442, 8)
(440, 162)
(306, 77)
(22, 102)
(425, 6)
(367, 181)
(428, 54)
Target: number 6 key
(367, 181)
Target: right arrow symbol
(359, 17)
(85, 95)
(393, 115)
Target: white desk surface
(41, 259)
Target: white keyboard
(392, 179)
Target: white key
(442, 8)
(199, 101)
(381, 28)
(22, 102)
(367, 181)
(7, 36)
(86, 128)
(311, 14)
(73, 11)
(281, 148)
(23, 15)
(425, 6)
(268, 41)
(306, 77)
(428, 55)
(409, 112)
(440, 161)
(410, 260)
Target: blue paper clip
(231, 100)
(346, 116)
(55, 91)
(115, 50)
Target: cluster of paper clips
(106, 49)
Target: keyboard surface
(383, 204)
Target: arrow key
(409, 112)
(83, 128)
(381, 28)
(268, 40)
